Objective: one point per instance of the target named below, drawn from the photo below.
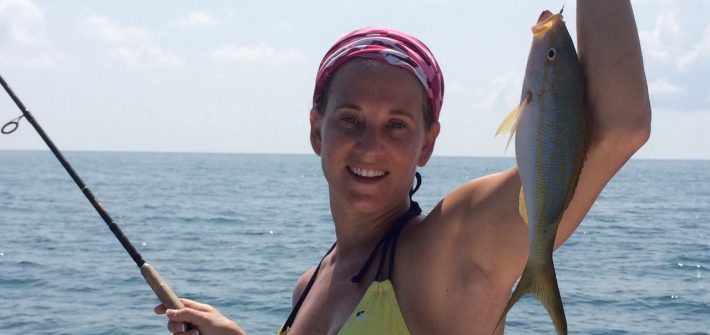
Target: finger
(160, 309)
(197, 305)
(188, 315)
(176, 327)
(189, 332)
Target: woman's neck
(357, 233)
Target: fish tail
(540, 281)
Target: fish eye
(551, 54)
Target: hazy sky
(237, 76)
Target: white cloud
(663, 86)
(134, 45)
(196, 19)
(24, 22)
(503, 92)
(110, 31)
(668, 40)
(262, 53)
(657, 42)
(34, 62)
(147, 56)
(698, 50)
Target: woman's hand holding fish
(616, 99)
(617, 94)
(206, 319)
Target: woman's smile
(367, 173)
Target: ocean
(237, 230)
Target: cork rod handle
(160, 287)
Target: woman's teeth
(367, 173)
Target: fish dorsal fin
(521, 206)
(510, 123)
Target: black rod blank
(135, 255)
(156, 282)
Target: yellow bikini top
(378, 312)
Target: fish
(551, 132)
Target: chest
(328, 305)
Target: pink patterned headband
(392, 47)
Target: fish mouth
(367, 173)
(546, 21)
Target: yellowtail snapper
(551, 138)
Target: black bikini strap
(385, 247)
(416, 187)
(297, 306)
(415, 210)
(358, 277)
(390, 237)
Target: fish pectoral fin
(521, 206)
(510, 123)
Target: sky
(237, 76)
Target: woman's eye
(348, 119)
(397, 125)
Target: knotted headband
(392, 47)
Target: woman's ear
(315, 119)
(429, 141)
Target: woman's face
(371, 135)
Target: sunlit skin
(456, 265)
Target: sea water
(237, 230)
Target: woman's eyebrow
(400, 112)
(392, 112)
(348, 105)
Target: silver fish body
(551, 138)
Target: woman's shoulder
(486, 195)
(301, 284)
(474, 224)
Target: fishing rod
(151, 275)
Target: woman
(374, 120)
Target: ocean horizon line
(187, 152)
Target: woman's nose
(369, 138)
